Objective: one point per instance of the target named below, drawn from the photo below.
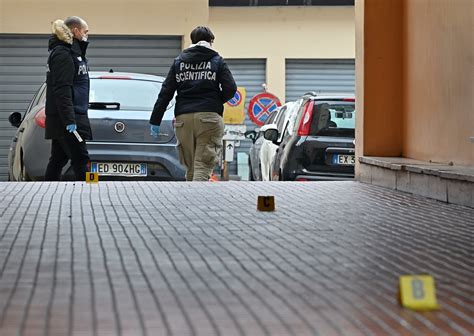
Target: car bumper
(320, 176)
(162, 161)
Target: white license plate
(348, 160)
(119, 168)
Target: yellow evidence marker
(266, 203)
(417, 292)
(92, 178)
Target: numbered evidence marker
(266, 203)
(92, 178)
(417, 292)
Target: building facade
(292, 49)
(415, 102)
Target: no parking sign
(261, 107)
(236, 100)
(234, 112)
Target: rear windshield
(131, 94)
(333, 118)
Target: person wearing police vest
(67, 98)
(203, 83)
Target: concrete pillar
(379, 65)
(276, 76)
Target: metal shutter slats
(319, 75)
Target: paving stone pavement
(144, 258)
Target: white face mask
(79, 35)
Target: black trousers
(63, 150)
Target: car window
(333, 118)
(281, 118)
(138, 95)
(285, 124)
(42, 98)
(37, 98)
(292, 115)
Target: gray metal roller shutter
(319, 75)
(250, 74)
(152, 55)
(23, 59)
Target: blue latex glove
(154, 130)
(71, 128)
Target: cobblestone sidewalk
(145, 258)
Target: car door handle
(21, 130)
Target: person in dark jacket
(67, 98)
(203, 83)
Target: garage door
(319, 75)
(23, 59)
(251, 74)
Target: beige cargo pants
(199, 143)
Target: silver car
(122, 148)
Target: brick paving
(145, 258)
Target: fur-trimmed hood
(62, 31)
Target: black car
(319, 145)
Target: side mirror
(15, 119)
(271, 134)
(252, 135)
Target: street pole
(225, 171)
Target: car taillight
(305, 124)
(40, 118)
(349, 100)
(301, 179)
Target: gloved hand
(154, 130)
(71, 128)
